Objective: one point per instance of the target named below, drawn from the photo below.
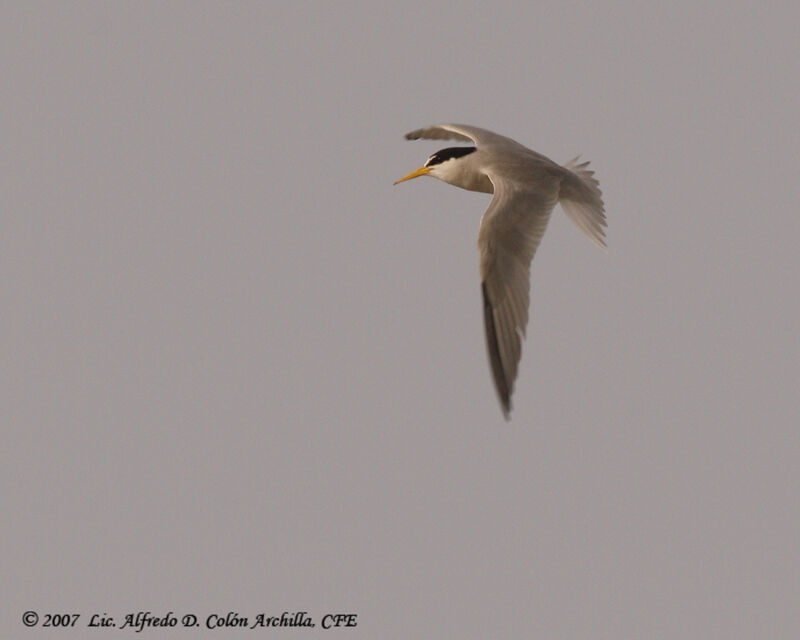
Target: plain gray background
(242, 371)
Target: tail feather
(582, 201)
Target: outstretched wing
(511, 230)
(462, 132)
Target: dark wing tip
(500, 381)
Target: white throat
(462, 172)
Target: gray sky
(242, 371)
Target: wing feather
(462, 132)
(495, 361)
(511, 230)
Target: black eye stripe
(447, 154)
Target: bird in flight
(526, 186)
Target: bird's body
(526, 186)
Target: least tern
(526, 186)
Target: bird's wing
(511, 230)
(462, 132)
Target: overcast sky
(243, 372)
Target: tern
(526, 186)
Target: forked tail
(582, 201)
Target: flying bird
(526, 186)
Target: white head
(444, 165)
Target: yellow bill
(415, 174)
